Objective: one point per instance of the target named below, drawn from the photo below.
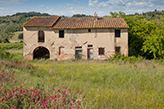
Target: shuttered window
(101, 51)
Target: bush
(5, 55)
(20, 36)
(119, 57)
(19, 98)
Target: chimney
(95, 16)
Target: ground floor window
(117, 49)
(101, 51)
(78, 52)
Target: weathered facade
(70, 38)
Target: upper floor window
(61, 33)
(117, 33)
(41, 36)
(89, 30)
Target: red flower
(70, 104)
(83, 96)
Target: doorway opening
(41, 52)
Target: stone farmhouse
(74, 38)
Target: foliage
(5, 55)
(81, 15)
(131, 59)
(6, 46)
(37, 97)
(40, 98)
(5, 35)
(155, 42)
(20, 36)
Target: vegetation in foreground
(121, 82)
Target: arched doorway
(41, 52)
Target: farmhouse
(69, 38)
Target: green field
(106, 84)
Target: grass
(15, 37)
(106, 84)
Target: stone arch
(41, 52)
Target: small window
(78, 47)
(117, 49)
(40, 36)
(89, 30)
(101, 51)
(117, 33)
(61, 33)
(90, 45)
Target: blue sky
(70, 7)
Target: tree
(119, 14)
(5, 35)
(155, 42)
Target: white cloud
(12, 1)
(69, 4)
(126, 5)
(71, 8)
(76, 1)
(41, 6)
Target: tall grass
(115, 83)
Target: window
(61, 33)
(61, 50)
(90, 45)
(101, 51)
(117, 49)
(89, 30)
(40, 36)
(117, 33)
(78, 52)
(78, 47)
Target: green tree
(155, 42)
(119, 14)
(5, 35)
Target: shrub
(5, 55)
(40, 98)
(119, 57)
(20, 36)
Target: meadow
(120, 83)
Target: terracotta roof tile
(76, 23)
(89, 22)
(41, 21)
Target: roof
(41, 22)
(90, 22)
(56, 22)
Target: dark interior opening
(41, 52)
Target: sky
(71, 7)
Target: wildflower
(70, 104)
(83, 96)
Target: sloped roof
(89, 22)
(41, 21)
(56, 22)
